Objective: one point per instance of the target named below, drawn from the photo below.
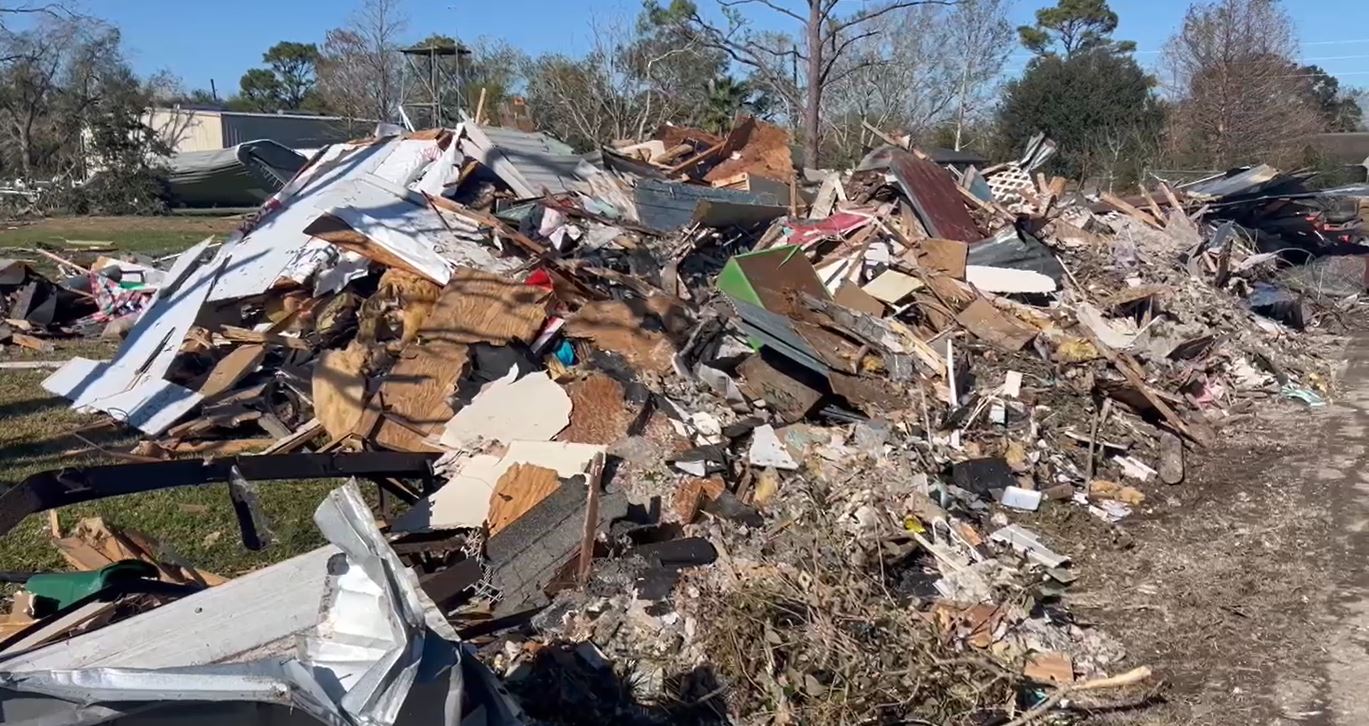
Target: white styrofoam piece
(1019, 498)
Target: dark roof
(951, 156)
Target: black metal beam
(63, 487)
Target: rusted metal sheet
(932, 191)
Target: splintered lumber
(232, 368)
(94, 545)
(1121, 205)
(244, 335)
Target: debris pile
(677, 432)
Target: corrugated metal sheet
(934, 197)
(528, 162)
(296, 132)
(667, 206)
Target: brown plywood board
(519, 489)
(851, 296)
(414, 397)
(599, 414)
(944, 255)
(992, 325)
(478, 307)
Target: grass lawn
(38, 431)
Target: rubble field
(678, 432)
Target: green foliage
(258, 90)
(1098, 106)
(293, 65)
(728, 97)
(1075, 26)
(1340, 111)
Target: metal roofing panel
(528, 162)
(934, 197)
(667, 206)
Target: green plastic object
(54, 591)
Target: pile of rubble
(671, 432)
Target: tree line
(1228, 89)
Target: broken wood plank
(28, 341)
(1121, 205)
(232, 368)
(244, 335)
(303, 435)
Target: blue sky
(200, 40)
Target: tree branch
(768, 4)
(865, 17)
(831, 60)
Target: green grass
(152, 236)
(196, 524)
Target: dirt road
(1247, 587)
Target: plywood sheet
(521, 488)
(613, 326)
(599, 414)
(232, 368)
(478, 307)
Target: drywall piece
(464, 501)
(767, 450)
(533, 408)
(1029, 543)
(151, 405)
(1007, 280)
(892, 286)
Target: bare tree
(825, 38)
(982, 36)
(624, 87)
(940, 77)
(359, 65)
(1240, 97)
(32, 66)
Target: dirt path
(1246, 587)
